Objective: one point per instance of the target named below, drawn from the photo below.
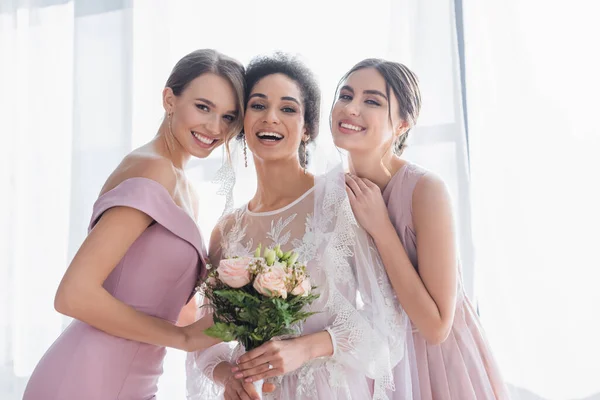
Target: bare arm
(428, 297)
(81, 295)
(187, 315)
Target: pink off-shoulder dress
(156, 276)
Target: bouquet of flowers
(258, 298)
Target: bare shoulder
(143, 165)
(215, 250)
(195, 198)
(224, 224)
(431, 198)
(430, 188)
(432, 205)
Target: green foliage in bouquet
(270, 304)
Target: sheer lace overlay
(356, 304)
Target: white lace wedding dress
(356, 304)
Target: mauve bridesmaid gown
(462, 367)
(156, 276)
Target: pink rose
(272, 281)
(303, 288)
(234, 271)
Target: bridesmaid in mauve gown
(143, 254)
(408, 213)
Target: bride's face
(274, 120)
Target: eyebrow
(375, 92)
(210, 103)
(289, 98)
(207, 101)
(262, 96)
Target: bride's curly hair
(296, 70)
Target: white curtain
(80, 86)
(532, 99)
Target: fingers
(238, 390)
(262, 360)
(268, 388)
(250, 372)
(352, 184)
(270, 373)
(249, 392)
(351, 195)
(235, 391)
(370, 184)
(244, 396)
(252, 354)
(361, 184)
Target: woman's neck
(278, 184)
(375, 167)
(167, 145)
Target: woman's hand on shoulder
(367, 204)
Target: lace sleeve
(200, 365)
(367, 327)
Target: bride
(349, 348)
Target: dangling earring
(304, 155)
(245, 153)
(170, 138)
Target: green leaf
(225, 332)
(251, 318)
(238, 298)
(248, 315)
(280, 304)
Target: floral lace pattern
(367, 335)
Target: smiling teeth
(203, 139)
(270, 134)
(352, 127)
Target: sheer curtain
(80, 86)
(532, 96)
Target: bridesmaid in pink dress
(141, 259)
(408, 213)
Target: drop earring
(245, 153)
